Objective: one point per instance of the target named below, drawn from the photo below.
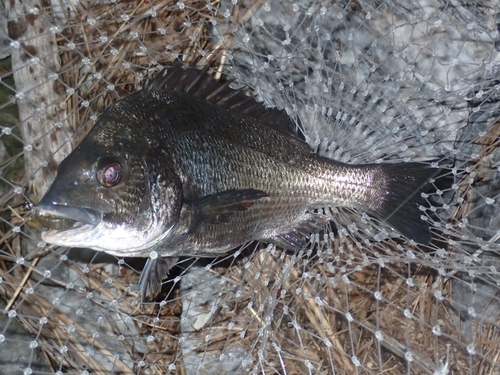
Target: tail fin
(401, 206)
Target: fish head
(119, 197)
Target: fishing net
(364, 82)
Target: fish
(189, 166)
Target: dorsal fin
(199, 83)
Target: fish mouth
(60, 217)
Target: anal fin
(298, 238)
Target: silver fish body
(188, 166)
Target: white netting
(365, 81)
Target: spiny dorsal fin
(199, 83)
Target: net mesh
(364, 82)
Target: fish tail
(402, 200)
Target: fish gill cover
(362, 82)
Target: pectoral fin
(218, 208)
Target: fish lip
(83, 215)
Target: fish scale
(190, 167)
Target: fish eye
(109, 172)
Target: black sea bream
(190, 167)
